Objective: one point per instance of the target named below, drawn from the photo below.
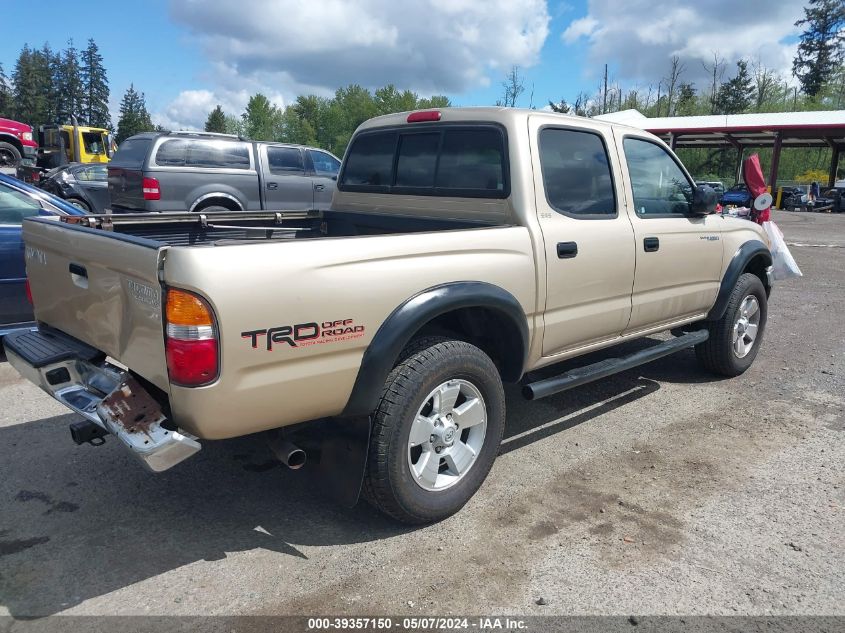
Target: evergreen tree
(216, 121)
(5, 95)
(49, 72)
(32, 87)
(68, 84)
(736, 95)
(134, 117)
(561, 106)
(95, 87)
(822, 44)
(686, 102)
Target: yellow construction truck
(62, 144)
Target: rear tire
(436, 431)
(79, 204)
(212, 208)
(735, 338)
(10, 156)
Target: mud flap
(337, 456)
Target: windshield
(15, 206)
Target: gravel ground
(658, 491)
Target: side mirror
(109, 142)
(704, 201)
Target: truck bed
(99, 278)
(238, 227)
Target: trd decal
(305, 334)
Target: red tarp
(752, 174)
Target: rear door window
(446, 160)
(94, 173)
(285, 161)
(576, 173)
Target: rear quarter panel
(360, 280)
(181, 187)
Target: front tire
(10, 156)
(735, 338)
(436, 431)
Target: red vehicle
(16, 142)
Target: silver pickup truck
(464, 248)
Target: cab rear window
(445, 160)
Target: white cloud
(582, 27)
(639, 37)
(289, 46)
(190, 108)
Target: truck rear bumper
(79, 377)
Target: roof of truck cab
(493, 114)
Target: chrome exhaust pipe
(288, 453)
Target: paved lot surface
(659, 491)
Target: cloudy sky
(188, 55)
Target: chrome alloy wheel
(746, 326)
(447, 435)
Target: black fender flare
(11, 139)
(743, 256)
(406, 320)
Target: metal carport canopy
(766, 129)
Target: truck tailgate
(102, 288)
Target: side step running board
(602, 369)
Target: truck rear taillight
(425, 115)
(191, 344)
(151, 189)
(28, 293)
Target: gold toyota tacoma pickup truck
(464, 248)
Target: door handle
(651, 244)
(319, 187)
(78, 275)
(272, 185)
(567, 250)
